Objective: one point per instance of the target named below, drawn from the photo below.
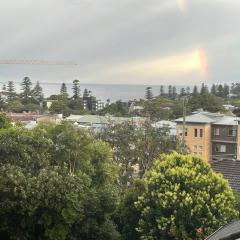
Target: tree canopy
(56, 182)
(184, 199)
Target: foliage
(37, 92)
(184, 199)
(26, 90)
(117, 109)
(148, 93)
(11, 91)
(56, 182)
(15, 106)
(5, 122)
(127, 215)
(137, 147)
(76, 89)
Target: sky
(150, 42)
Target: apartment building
(214, 136)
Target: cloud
(134, 36)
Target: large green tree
(184, 199)
(56, 182)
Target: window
(232, 132)
(220, 148)
(195, 132)
(181, 131)
(201, 132)
(200, 147)
(216, 131)
(200, 153)
(195, 147)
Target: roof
(200, 117)
(230, 169)
(227, 120)
(228, 232)
(92, 119)
(214, 118)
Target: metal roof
(214, 118)
(228, 232)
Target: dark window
(195, 132)
(201, 132)
(186, 132)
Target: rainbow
(182, 5)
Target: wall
(194, 143)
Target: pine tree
(76, 89)
(63, 91)
(37, 92)
(220, 90)
(195, 91)
(170, 93)
(174, 92)
(204, 89)
(26, 88)
(4, 87)
(188, 91)
(148, 93)
(86, 93)
(161, 91)
(226, 90)
(11, 91)
(214, 89)
(182, 92)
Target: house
(230, 231)
(166, 124)
(214, 136)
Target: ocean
(102, 91)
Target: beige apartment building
(214, 136)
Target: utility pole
(184, 125)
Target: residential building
(214, 136)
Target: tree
(204, 89)
(4, 87)
(11, 91)
(85, 93)
(195, 91)
(58, 107)
(161, 91)
(220, 90)
(5, 122)
(182, 92)
(170, 93)
(63, 91)
(148, 93)
(184, 199)
(226, 90)
(214, 89)
(137, 147)
(56, 182)
(76, 89)
(174, 92)
(118, 109)
(37, 92)
(26, 90)
(15, 106)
